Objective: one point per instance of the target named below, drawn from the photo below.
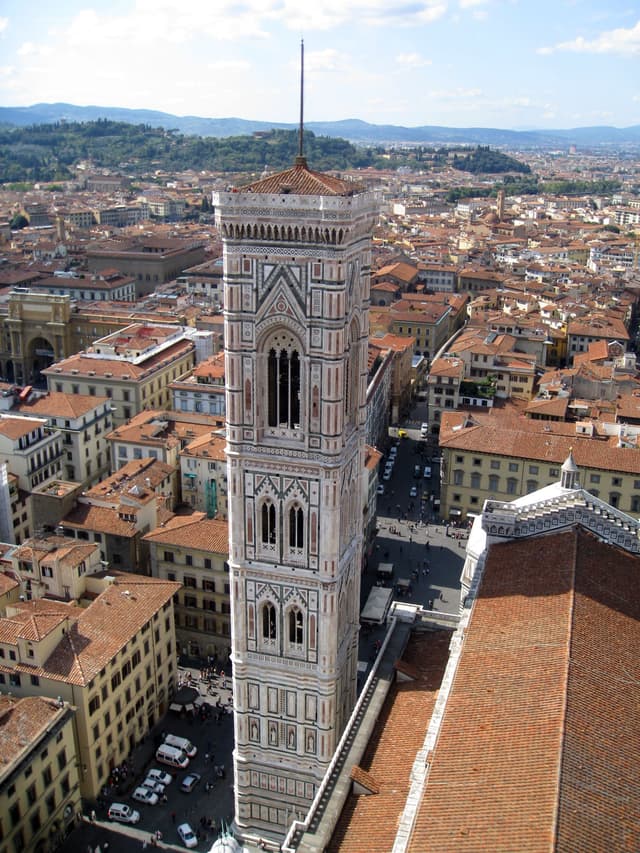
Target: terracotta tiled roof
(541, 731)
(545, 441)
(118, 367)
(202, 534)
(7, 583)
(17, 427)
(102, 519)
(300, 180)
(57, 404)
(369, 822)
(21, 721)
(100, 630)
(361, 777)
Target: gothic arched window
(268, 523)
(268, 621)
(296, 527)
(296, 627)
(283, 378)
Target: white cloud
(327, 14)
(455, 94)
(4, 23)
(470, 4)
(622, 42)
(412, 60)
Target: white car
(144, 795)
(392, 451)
(187, 835)
(386, 475)
(380, 489)
(152, 785)
(159, 776)
(413, 492)
(123, 812)
(424, 430)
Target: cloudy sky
(493, 63)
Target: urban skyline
(500, 63)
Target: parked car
(145, 795)
(123, 813)
(392, 451)
(427, 471)
(413, 492)
(424, 430)
(387, 475)
(189, 782)
(187, 835)
(159, 776)
(380, 489)
(152, 785)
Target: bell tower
(297, 248)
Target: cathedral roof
(301, 180)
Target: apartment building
(16, 508)
(193, 551)
(109, 285)
(133, 367)
(443, 388)
(204, 282)
(484, 456)
(203, 475)
(150, 260)
(493, 356)
(203, 390)
(117, 512)
(401, 372)
(39, 786)
(121, 215)
(439, 277)
(584, 331)
(54, 566)
(158, 434)
(112, 656)
(31, 449)
(427, 323)
(83, 421)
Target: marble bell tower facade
(297, 254)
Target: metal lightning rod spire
(300, 157)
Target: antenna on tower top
(300, 159)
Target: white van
(123, 813)
(172, 756)
(181, 743)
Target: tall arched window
(296, 627)
(268, 621)
(283, 377)
(268, 523)
(296, 527)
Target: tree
(18, 221)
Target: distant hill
(353, 130)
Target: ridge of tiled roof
(301, 180)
